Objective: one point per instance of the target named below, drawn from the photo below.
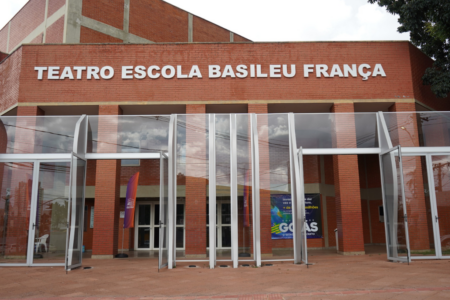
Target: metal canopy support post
(255, 192)
(173, 179)
(212, 191)
(172, 193)
(297, 192)
(75, 225)
(234, 192)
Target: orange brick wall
(38, 39)
(163, 22)
(91, 36)
(106, 11)
(55, 33)
(4, 38)
(10, 74)
(25, 21)
(205, 31)
(54, 5)
(396, 65)
(419, 63)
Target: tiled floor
(330, 277)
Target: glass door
(16, 179)
(49, 217)
(440, 168)
(75, 219)
(395, 214)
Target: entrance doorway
(35, 204)
(147, 226)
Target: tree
(428, 22)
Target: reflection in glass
(15, 203)
(418, 205)
(128, 134)
(327, 130)
(51, 215)
(37, 134)
(393, 207)
(441, 173)
(192, 178)
(274, 171)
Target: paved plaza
(330, 277)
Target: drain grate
(246, 265)
(87, 268)
(192, 266)
(223, 266)
(268, 265)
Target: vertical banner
(130, 201)
(281, 216)
(246, 198)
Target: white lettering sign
(365, 71)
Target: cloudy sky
(283, 20)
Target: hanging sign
(282, 227)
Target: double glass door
(417, 205)
(34, 210)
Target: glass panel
(144, 214)
(329, 130)
(275, 191)
(76, 212)
(414, 129)
(226, 213)
(125, 134)
(157, 211)
(15, 204)
(226, 236)
(180, 214)
(38, 134)
(51, 213)
(156, 238)
(180, 237)
(395, 223)
(223, 178)
(417, 195)
(192, 180)
(441, 173)
(144, 237)
(244, 181)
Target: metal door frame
(406, 224)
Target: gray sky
(283, 20)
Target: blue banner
(281, 216)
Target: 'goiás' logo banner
(364, 71)
(281, 216)
(130, 203)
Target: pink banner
(130, 201)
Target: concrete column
(346, 184)
(190, 28)
(72, 26)
(107, 187)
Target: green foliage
(428, 22)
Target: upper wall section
(31, 25)
(10, 80)
(150, 20)
(107, 21)
(266, 79)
